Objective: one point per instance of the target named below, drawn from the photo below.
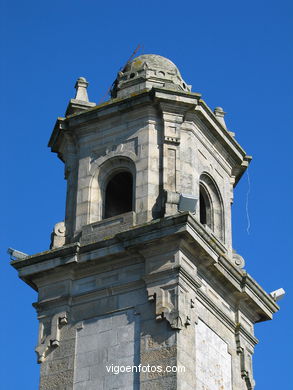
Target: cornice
(212, 307)
(177, 272)
(247, 335)
(220, 128)
(178, 227)
(183, 103)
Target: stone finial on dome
(220, 114)
(81, 89)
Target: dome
(152, 61)
(147, 71)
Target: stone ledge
(179, 227)
(107, 228)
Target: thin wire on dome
(112, 87)
(246, 205)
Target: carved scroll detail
(172, 299)
(52, 340)
(167, 305)
(245, 360)
(238, 260)
(58, 235)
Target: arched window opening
(205, 212)
(119, 195)
(211, 211)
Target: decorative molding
(169, 290)
(238, 260)
(172, 304)
(215, 310)
(245, 358)
(129, 148)
(53, 339)
(58, 235)
(172, 140)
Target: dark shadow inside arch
(202, 208)
(119, 195)
(205, 208)
(211, 211)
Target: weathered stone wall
(57, 369)
(164, 146)
(103, 342)
(129, 140)
(152, 285)
(199, 155)
(213, 365)
(156, 285)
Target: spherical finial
(219, 109)
(220, 113)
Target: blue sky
(235, 53)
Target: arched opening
(205, 212)
(119, 195)
(211, 211)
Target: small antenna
(121, 69)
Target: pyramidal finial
(220, 113)
(81, 101)
(81, 89)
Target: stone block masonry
(132, 279)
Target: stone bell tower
(142, 272)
